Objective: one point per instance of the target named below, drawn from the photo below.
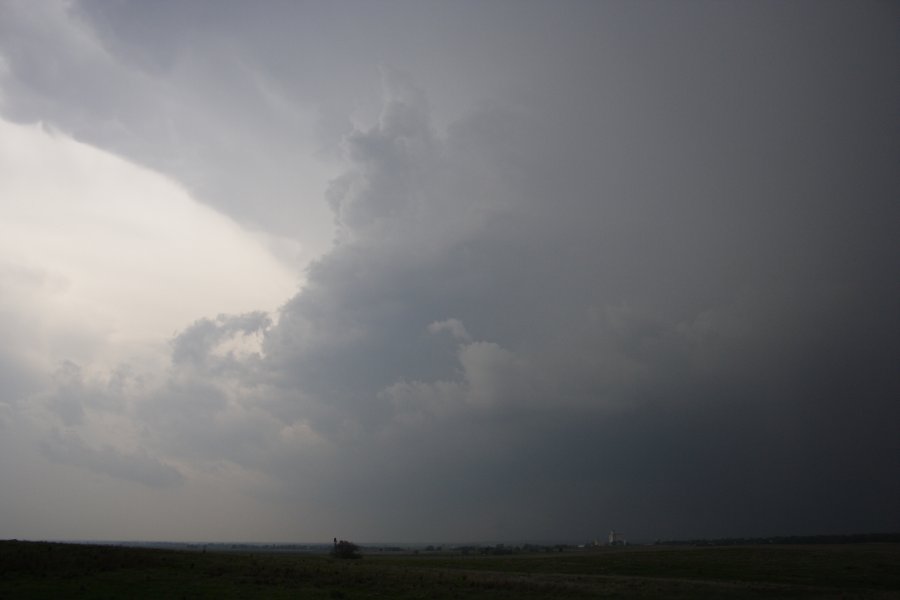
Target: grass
(51, 570)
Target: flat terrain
(51, 570)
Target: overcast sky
(448, 271)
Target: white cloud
(102, 263)
(101, 256)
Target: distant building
(616, 538)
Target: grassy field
(50, 570)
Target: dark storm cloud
(652, 336)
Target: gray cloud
(212, 106)
(195, 346)
(137, 466)
(645, 283)
(654, 349)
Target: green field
(51, 570)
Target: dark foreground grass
(48, 570)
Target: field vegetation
(53, 570)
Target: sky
(448, 271)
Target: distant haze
(448, 271)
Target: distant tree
(345, 549)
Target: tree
(345, 549)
